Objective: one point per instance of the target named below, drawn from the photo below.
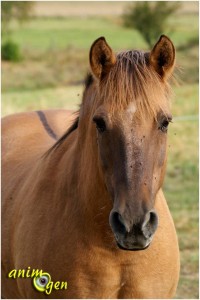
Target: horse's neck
(78, 179)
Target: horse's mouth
(133, 249)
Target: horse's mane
(130, 80)
(73, 127)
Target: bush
(10, 51)
(14, 10)
(149, 18)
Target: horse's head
(131, 115)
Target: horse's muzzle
(139, 236)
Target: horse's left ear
(162, 57)
(102, 58)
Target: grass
(66, 32)
(181, 186)
(56, 49)
(47, 33)
(51, 74)
(26, 100)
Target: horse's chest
(111, 280)
(96, 280)
(107, 279)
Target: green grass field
(181, 186)
(51, 74)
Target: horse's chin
(132, 249)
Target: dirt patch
(80, 8)
(92, 8)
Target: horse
(82, 195)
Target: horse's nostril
(150, 224)
(153, 219)
(116, 223)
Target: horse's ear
(162, 57)
(102, 58)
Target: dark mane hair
(88, 80)
(73, 127)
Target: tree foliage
(149, 18)
(14, 10)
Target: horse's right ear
(102, 58)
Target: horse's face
(132, 157)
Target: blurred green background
(54, 45)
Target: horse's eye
(164, 125)
(100, 124)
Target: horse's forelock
(133, 80)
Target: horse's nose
(133, 236)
